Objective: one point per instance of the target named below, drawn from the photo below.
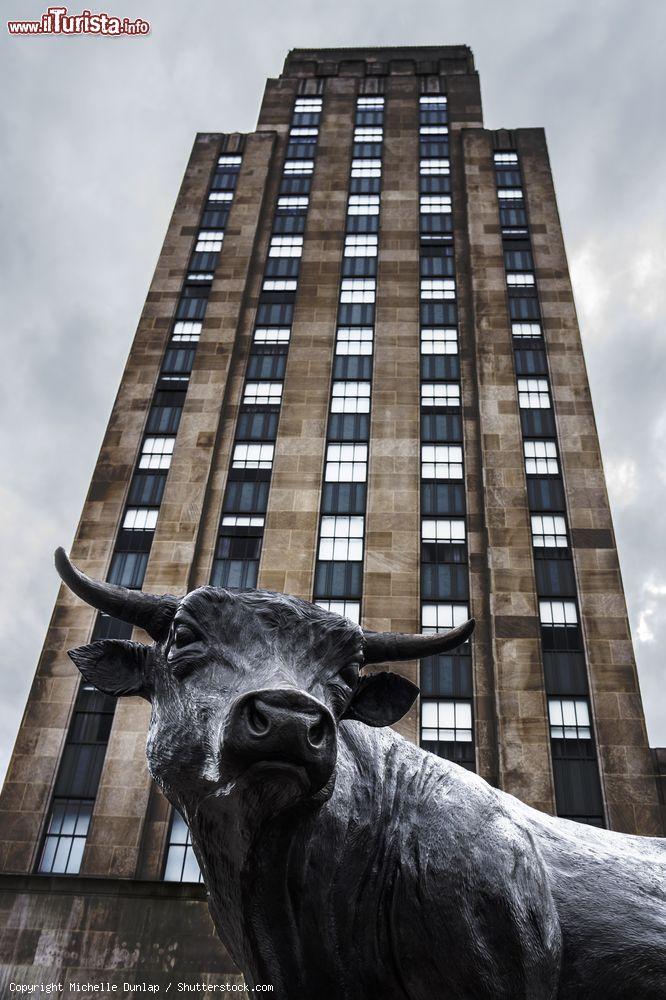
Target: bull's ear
(381, 699)
(115, 666)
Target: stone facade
(117, 915)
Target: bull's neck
(297, 882)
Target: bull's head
(247, 685)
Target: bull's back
(610, 893)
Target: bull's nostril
(258, 722)
(317, 734)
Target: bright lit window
(286, 246)
(156, 452)
(354, 340)
(431, 132)
(433, 101)
(209, 240)
(541, 458)
(263, 393)
(140, 518)
(366, 168)
(440, 341)
(221, 196)
(279, 285)
(437, 289)
(435, 203)
(526, 329)
(253, 456)
(307, 104)
(441, 461)
(443, 530)
(372, 102)
(446, 721)
(549, 531)
(298, 166)
(363, 245)
(558, 614)
(569, 719)
(533, 394)
(346, 463)
(363, 204)
(521, 279)
(188, 330)
(434, 167)
(181, 862)
(440, 394)
(506, 159)
(303, 133)
(441, 617)
(368, 134)
(229, 161)
(510, 194)
(357, 290)
(272, 335)
(241, 521)
(350, 397)
(341, 539)
(293, 201)
(348, 609)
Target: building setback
(357, 378)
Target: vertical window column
(77, 784)
(339, 567)
(575, 770)
(446, 679)
(238, 550)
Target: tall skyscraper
(357, 378)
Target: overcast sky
(96, 133)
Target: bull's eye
(349, 674)
(183, 636)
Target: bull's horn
(154, 614)
(382, 647)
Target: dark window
(246, 497)
(367, 150)
(338, 579)
(438, 314)
(147, 489)
(530, 362)
(508, 178)
(343, 498)
(365, 185)
(214, 217)
(128, 568)
(437, 262)
(257, 425)
(178, 360)
(440, 427)
(564, 671)
(359, 267)
(577, 786)
(356, 314)
(440, 367)
(436, 184)
(523, 306)
(555, 577)
(193, 301)
(275, 314)
(348, 427)
(443, 580)
(202, 262)
(289, 224)
(107, 627)
(267, 365)
(224, 180)
(545, 494)
(295, 185)
(448, 675)
(353, 366)
(537, 423)
(442, 498)
(362, 223)
(434, 150)
(164, 414)
(77, 782)
(511, 217)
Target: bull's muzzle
(286, 729)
